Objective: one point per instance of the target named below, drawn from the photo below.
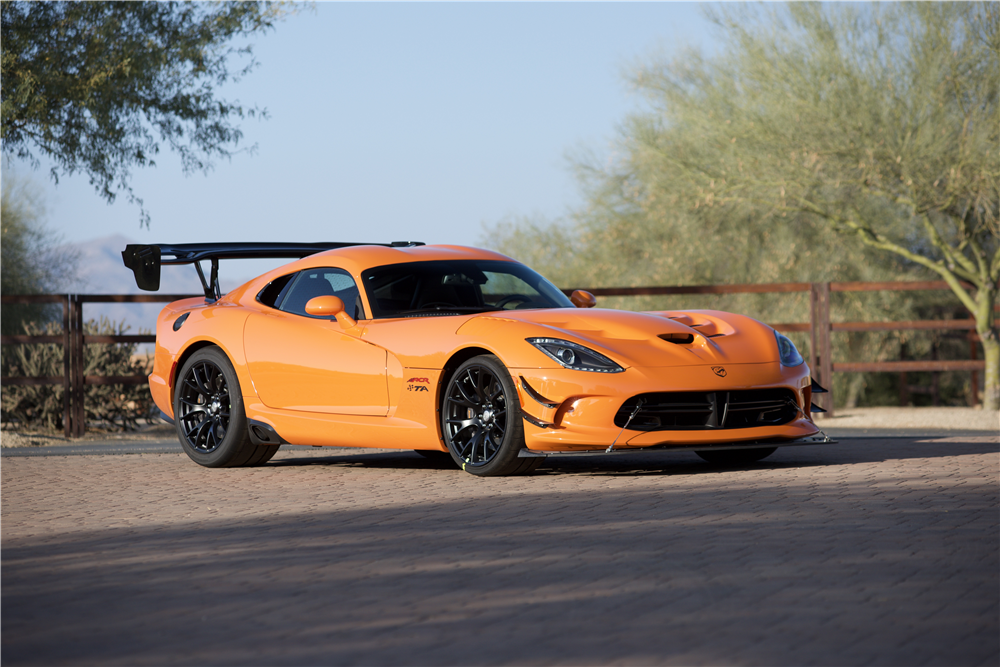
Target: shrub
(41, 406)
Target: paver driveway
(873, 551)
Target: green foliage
(41, 406)
(881, 121)
(31, 258)
(97, 86)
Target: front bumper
(573, 411)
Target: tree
(32, 260)
(98, 86)
(880, 122)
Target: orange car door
(309, 364)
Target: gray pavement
(881, 550)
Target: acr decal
(719, 370)
(411, 384)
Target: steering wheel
(512, 297)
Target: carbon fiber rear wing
(146, 260)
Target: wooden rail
(819, 328)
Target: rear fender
(219, 324)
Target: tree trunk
(991, 350)
(855, 386)
(986, 297)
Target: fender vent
(704, 410)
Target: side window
(322, 282)
(271, 295)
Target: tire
(209, 416)
(481, 419)
(735, 457)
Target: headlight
(575, 356)
(786, 351)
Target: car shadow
(664, 462)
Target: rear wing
(146, 260)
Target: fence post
(67, 384)
(820, 349)
(76, 325)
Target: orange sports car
(455, 351)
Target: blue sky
(401, 122)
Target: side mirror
(330, 306)
(582, 299)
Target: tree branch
(950, 253)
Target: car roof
(355, 259)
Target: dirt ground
(950, 419)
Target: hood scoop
(707, 327)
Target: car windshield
(453, 287)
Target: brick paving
(870, 552)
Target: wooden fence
(819, 327)
(73, 339)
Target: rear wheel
(735, 457)
(481, 419)
(209, 416)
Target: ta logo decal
(719, 370)
(410, 386)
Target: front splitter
(750, 444)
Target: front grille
(701, 410)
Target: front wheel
(735, 457)
(209, 415)
(481, 419)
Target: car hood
(646, 339)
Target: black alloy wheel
(209, 416)
(205, 407)
(481, 419)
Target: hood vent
(677, 338)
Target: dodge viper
(455, 351)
